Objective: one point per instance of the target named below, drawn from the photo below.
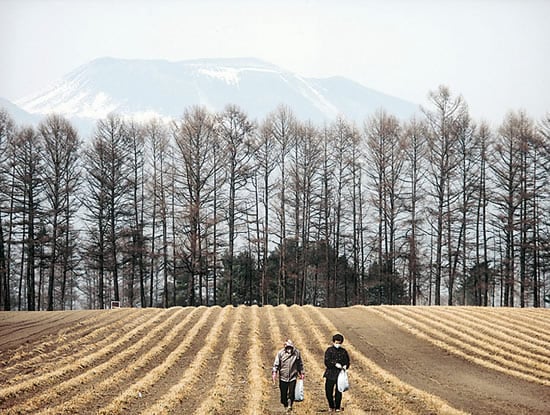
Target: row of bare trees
(219, 209)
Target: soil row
(466, 332)
(218, 360)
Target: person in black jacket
(336, 359)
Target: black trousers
(334, 396)
(287, 392)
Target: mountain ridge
(142, 88)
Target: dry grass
(141, 348)
(224, 378)
(161, 356)
(192, 375)
(463, 331)
(90, 334)
(70, 365)
(140, 387)
(390, 390)
(257, 380)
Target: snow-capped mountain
(21, 116)
(144, 88)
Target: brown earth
(463, 384)
(201, 355)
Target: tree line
(216, 208)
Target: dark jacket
(333, 356)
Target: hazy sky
(495, 53)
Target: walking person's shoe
(289, 407)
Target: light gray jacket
(289, 365)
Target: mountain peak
(166, 88)
(244, 62)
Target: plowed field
(404, 360)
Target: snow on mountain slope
(19, 115)
(143, 88)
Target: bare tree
(264, 158)
(159, 160)
(441, 129)
(342, 135)
(61, 178)
(195, 141)
(508, 166)
(107, 201)
(280, 214)
(481, 274)
(468, 160)
(538, 164)
(326, 225)
(28, 181)
(415, 152)
(358, 169)
(386, 157)
(282, 127)
(7, 134)
(531, 182)
(95, 201)
(217, 239)
(235, 132)
(304, 181)
(541, 294)
(135, 248)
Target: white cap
(289, 343)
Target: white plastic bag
(299, 391)
(343, 381)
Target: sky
(495, 53)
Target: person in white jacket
(288, 364)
